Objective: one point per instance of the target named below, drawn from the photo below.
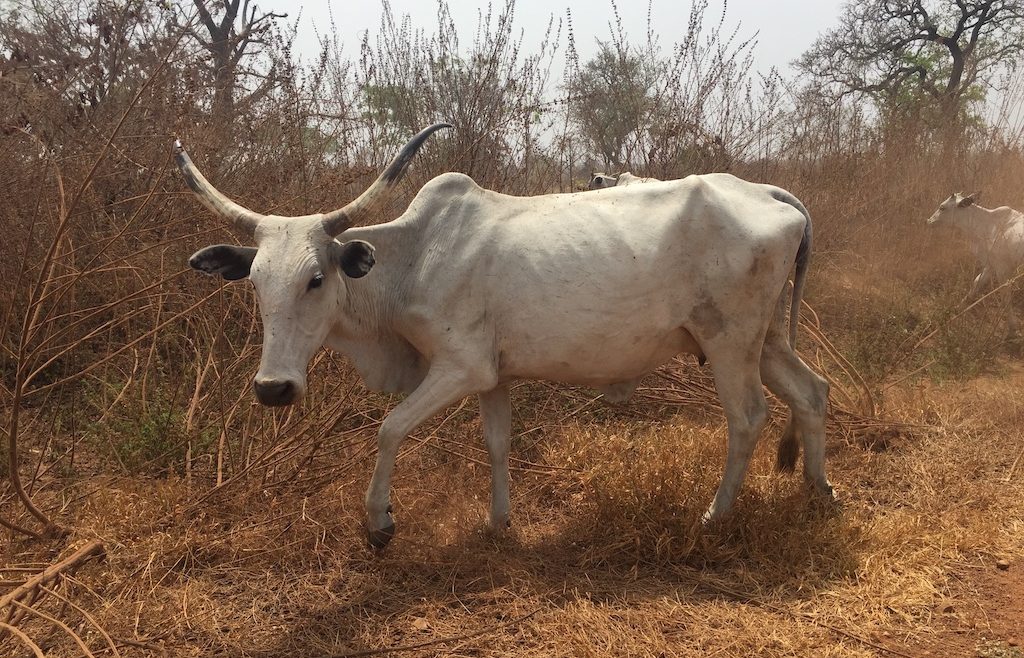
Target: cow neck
(987, 225)
(372, 301)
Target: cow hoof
(710, 519)
(820, 488)
(499, 526)
(823, 496)
(379, 539)
(827, 496)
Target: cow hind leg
(739, 389)
(806, 395)
(619, 392)
(778, 336)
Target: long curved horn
(210, 197)
(337, 221)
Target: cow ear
(227, 260)
(969, 200)
(355, 258)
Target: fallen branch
(17, 528)
(89, 618)
(64, 627)
(7, 628)
(32, 587)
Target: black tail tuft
(789, 450)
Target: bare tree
(490, 90)
(229, 44)
(903, 51)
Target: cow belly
(600, 361)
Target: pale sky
(785, 27)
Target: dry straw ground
(187, 521)
(606, 556)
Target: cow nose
(274, 392)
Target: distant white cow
(471, 289)
(601, 180)
(997, 239)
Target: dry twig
(34, 585)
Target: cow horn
(337, 221)
(243, 218)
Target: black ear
(227, 260)
(355, 258)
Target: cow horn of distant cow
(337, 221)
(243, 218)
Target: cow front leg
(496, 412)
(980, 283)
(440, 388)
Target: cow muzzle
(276, 392)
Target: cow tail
(789, 446)
(789, 449)
(803, 261)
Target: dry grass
(606, 557)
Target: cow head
(298, 269)
(599, 181)
(952, 209)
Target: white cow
(996, 237)
(473, 289)
(601, 180)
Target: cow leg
(980, 283)
(496, 412)
(806, 395)
(739, 389)
(440, 388)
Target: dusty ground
(606, 557)
(982, 614)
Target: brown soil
(983, 614)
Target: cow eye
(315, 282)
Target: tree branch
(204, 15)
